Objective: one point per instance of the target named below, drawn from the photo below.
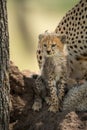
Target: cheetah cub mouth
(52, 44)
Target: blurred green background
(27, 19)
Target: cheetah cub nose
(48, 52)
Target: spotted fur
(74, 26)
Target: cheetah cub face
(52, 44)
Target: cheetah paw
(53, 109)
(47, 99)
(37, 106)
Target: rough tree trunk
(4, 66)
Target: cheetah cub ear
(62, 38)
(40, 36)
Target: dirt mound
(22, 117)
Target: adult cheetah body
(74, 26)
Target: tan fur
(51, 40)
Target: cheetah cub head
(52, 43)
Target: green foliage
(57, 5)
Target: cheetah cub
(53, 72)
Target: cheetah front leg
(37, 104)
(61, 92)
(39, 92)
(54, 103)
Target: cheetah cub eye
(53, 45)
(44, 45)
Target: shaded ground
(22, 116)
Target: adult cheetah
(74, 26)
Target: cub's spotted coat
(53, 72)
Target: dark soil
(22, 117)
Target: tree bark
(4, 67)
